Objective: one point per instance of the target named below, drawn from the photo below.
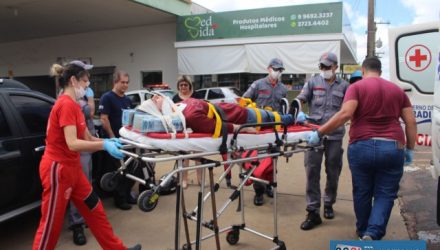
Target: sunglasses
(278, 69)
(184, 84)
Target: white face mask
(326, 74)
(275, 75)
(80, 92)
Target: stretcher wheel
(186, 247)
(147, 200)
(281, 245)
(232, 237)
(109, 182)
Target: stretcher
(159, 147)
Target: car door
(31, 112)
(10, 161)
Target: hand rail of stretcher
(196, 155)
(265, 124)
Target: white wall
(152, 47)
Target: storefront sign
(279, 21)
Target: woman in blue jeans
(378, 146)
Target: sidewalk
(155, 230)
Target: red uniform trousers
(62, 183)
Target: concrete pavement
(155, 230)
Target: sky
(388, 14)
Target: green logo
(193, 25)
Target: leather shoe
(269, 191)
(258, 199)
(313, 219)
(328, 212)
(136, 247)
(79, 238)
(123, 205)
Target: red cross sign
(418, 57)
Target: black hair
(64, 73)
(372, 64)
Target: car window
(200, 94)
(168, 93)
(33, 111)
(215, 94)
(5, 131)
(235, 91)
(147, 96)
(135, 99)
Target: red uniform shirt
(65, 112)
(196, 115)
(380, 103)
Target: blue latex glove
(313, 138)
(301, 117)
(409, 155)
(112, 148)
(116, 140)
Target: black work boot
(269, 191)
(328, 212)
(79, 238)
(313, 219)
(258, 199)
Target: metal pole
(371, 35)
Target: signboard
(350, 68)
(278, 21)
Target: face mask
(275, 75)
(80, 92)
(326, 74)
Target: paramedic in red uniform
(60, 169)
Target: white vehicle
(436, 130)
(415, 66)
(218, 94)
(138, 96)
(413, 56)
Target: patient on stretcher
(199, 115)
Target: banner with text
(278, 21)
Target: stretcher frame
(280, 148)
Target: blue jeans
(376, 169)
(267, 116)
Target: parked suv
(23, 119)
(219, 94)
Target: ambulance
(415, 67)
(413, 61)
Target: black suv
(23, 119)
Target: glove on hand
(112, 148)
(301, 118)
(115, 139)
(313, 138)
(409, 155)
